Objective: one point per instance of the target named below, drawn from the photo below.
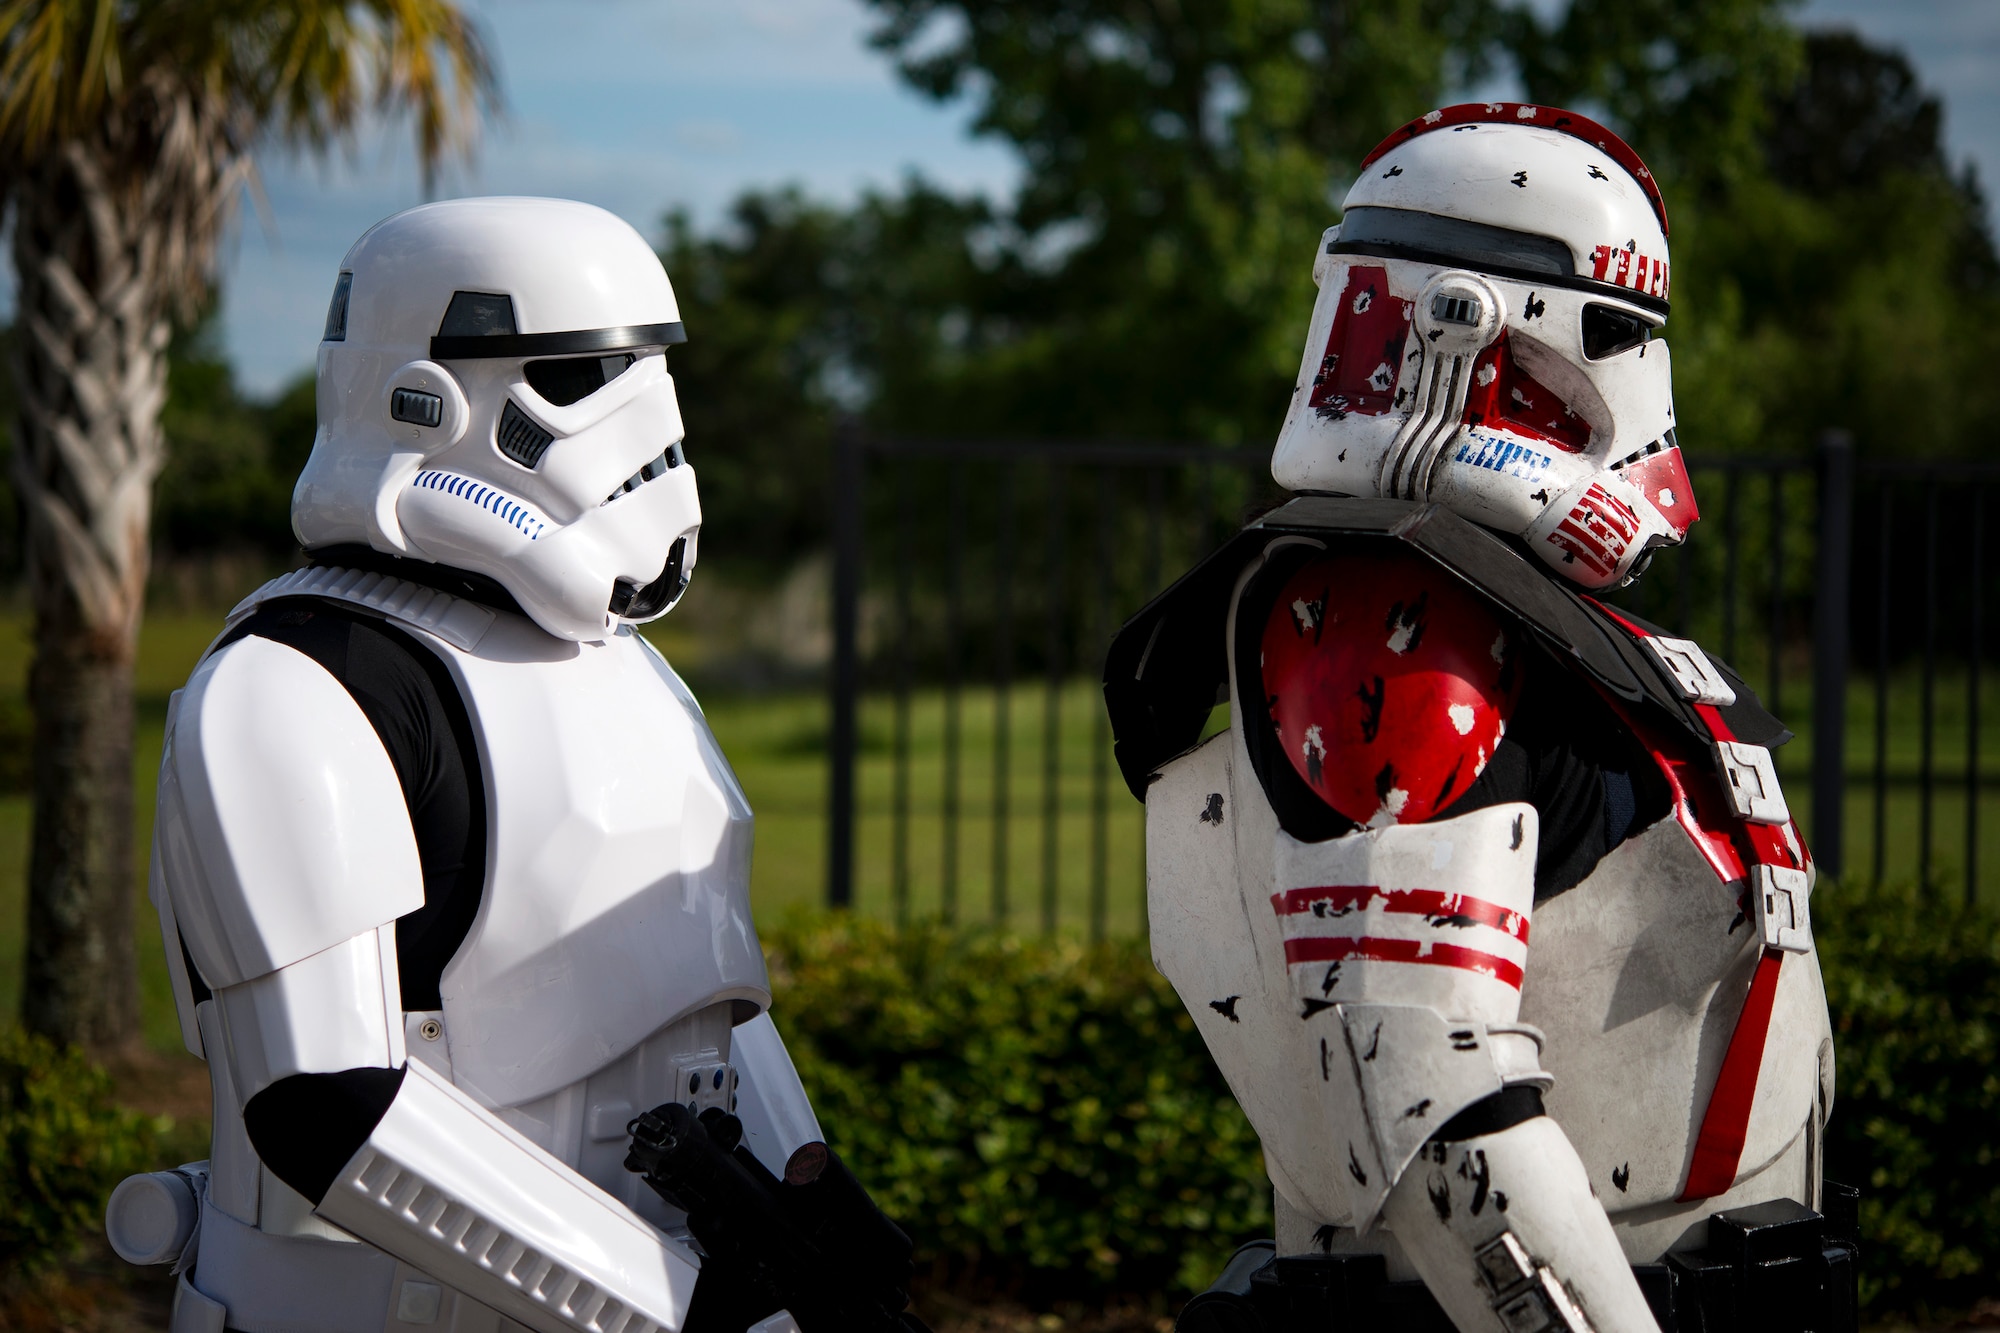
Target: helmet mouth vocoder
(1399, 233)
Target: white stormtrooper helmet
(1482, 339)
(494, 396)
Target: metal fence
(977, 584)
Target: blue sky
(646, 105)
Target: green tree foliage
(796, 312)
(231, 460)
(1152, 278)
(1830, 268)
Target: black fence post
(847, 477)
(1830, 649)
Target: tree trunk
(110, 232)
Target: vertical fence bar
(1926, 769)
(1003, 683)
(1684, 588)
(847, 496)
(1100, 721)
(954, 631)
(1775, 630)
(1974, 651)
(1155, 559)
(899, 795)
(1056, 582)
(1831, 576)
(1732, 550)
(1882, 569)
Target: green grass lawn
(777, 744)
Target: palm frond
(304, 72)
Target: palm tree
(127, 134)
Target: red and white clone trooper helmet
(1483, 338)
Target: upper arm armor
(1389, 683)
(282, 829)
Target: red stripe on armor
(1329, 949)
(1719, 1147)
(1343, 898)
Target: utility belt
(1776, 1267)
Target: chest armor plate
(617, 894)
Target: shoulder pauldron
(1168, 666)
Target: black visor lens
(573, 378)
(1607, 331)
(1401, 233)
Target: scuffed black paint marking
(1535, 307)
(1474, 1169)
(1354, 1166)
(1421, 1108)
(1313, 617)
(1520, 832)
(1374, 1044)
(1597, 175)
(1499, 1201)
(1212, 812)
(1413, 618)
(1392, 171)
(1324, 1236)
(1440, 1191)
(1464, 1040)
(1457, 920)
(1226, 1007)
(1315, 1007)
(1325, 1063)
(1450, 783)
(1371, 707)
(1520, 179)
(1622, 1177)
(1332, 978)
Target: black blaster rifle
(813, 1243)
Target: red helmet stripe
(1540, 117)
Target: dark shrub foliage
(63, 1145)
(1914, 985)
(1040, 1116)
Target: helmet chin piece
(1478, 342)
(636, 605)
(495, 398)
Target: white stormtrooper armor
(451, 874)
(1548, 1051)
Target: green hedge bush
(1913, 981)
(63, 1145)
(1044, 1119)
(1041, 1116)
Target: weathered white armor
(1522, 1046)
(1626, 996)
(612, 967)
